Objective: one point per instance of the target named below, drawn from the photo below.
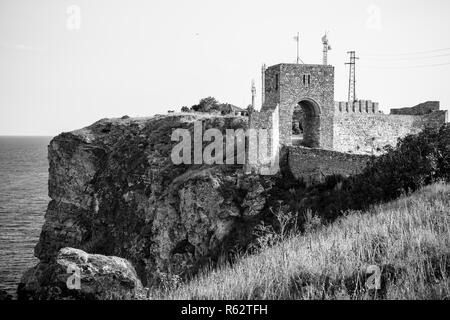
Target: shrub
(210, 104)
(418, 160)
(206, 105)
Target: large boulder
(75, 274)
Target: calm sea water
(23, 200)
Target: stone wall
(262, 142)
(435, 119)
(313, 165)
(272, 91)
(420, 109)
(369, 133)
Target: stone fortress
(338, 137)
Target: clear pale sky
(140, 58)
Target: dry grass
(409, 239)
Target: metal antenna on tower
(297, 39)
(263, 85)
(326, 47)
(352, 79)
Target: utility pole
(351, 78)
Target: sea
(23, 201)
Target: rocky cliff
(115, 192)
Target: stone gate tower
(305, 86)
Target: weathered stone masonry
(311, 87)
(421, 109)
(368, 132)
(339, 129)
(314, 165)
(268, 122)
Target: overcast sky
(140, 57)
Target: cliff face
(115, 191)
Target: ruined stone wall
(369, 133)
(420, 109)
(272, 91)
(313, 165)
(435, 119)
(263, 143)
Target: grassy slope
(408, 238)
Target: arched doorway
(306, 124)
(298, 123)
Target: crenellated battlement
(360, 106)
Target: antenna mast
(263, 86)
(351, 78)
(297, 39)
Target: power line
(407, 67)
(405, 58)
(407, 53)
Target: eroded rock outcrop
(75, 274)
(115, 191)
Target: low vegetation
(211, 105)
(417, 161)
(408, 239)
(320, 242)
